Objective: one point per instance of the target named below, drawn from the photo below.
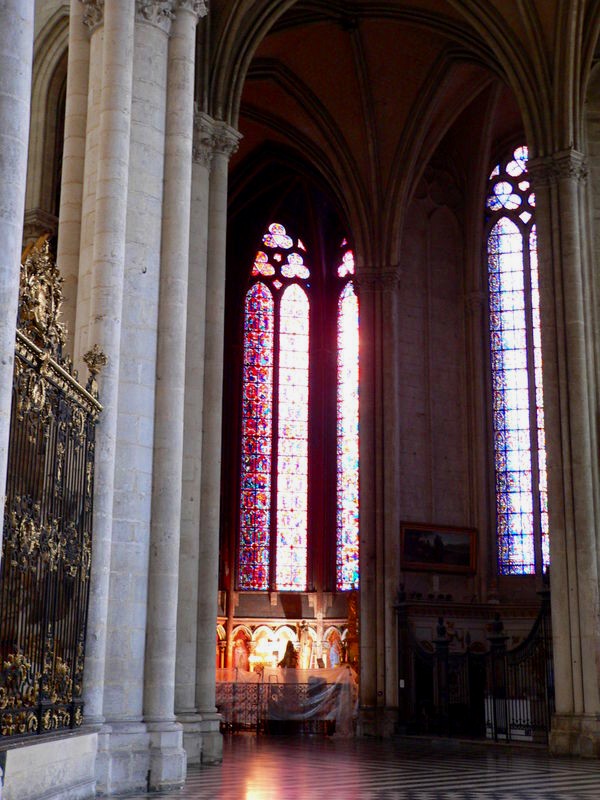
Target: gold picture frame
(438, 548)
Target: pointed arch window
(282, 470)
(516, 365)
(347, 428)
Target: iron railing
(277, 708)
(505, 695)
(47, 535)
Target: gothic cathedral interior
(299, 382)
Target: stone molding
(196, 7)
(213, 137)
(369, 280)
(93, 14)
(159, 13)
(547, 171)
(38, 222)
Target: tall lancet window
(516, 359)
(274, 471)
(347, 428)
(292, 395)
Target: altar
(280, 700)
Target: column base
(123, 758)
(212, 738)
(380, 721)
(167, 757)
(192, 736)
(575, 735)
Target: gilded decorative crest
(40, 299)
(95, 360)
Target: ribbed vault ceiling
(368, 91)
(366, 96)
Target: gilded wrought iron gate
(46, 548)
(505, 695)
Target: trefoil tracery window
(279, 464)
(516, 366)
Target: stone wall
(64, 769)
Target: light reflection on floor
(320, 768)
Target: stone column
(572, 446)
(71, 195)
(93, 21)
(225, 143)
(16, 52)
(390, 447)
(379, 514)
(479, 490)
(187, 607)
(124, 755)
(167, 757)
(105, 326)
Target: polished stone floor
(311, 768)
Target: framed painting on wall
(438, 548)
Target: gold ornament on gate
(95, 360)
(40, 298)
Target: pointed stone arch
(47, 123)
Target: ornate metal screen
(501, 694)
(46, 547)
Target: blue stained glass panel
(516, 356)
(511, 399)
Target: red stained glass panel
(257, 424)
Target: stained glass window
(274, 523)
(257, 425)
(516, 359)
(278, 481)
(347, 431)
(292, 440)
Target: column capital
(202, 151)
(370, 280)
(212, 137)
(226, 139)
(565, 164)
(93, 14)
(196, 7)
(159, 13)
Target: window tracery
(278, 475)
(516, 361)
